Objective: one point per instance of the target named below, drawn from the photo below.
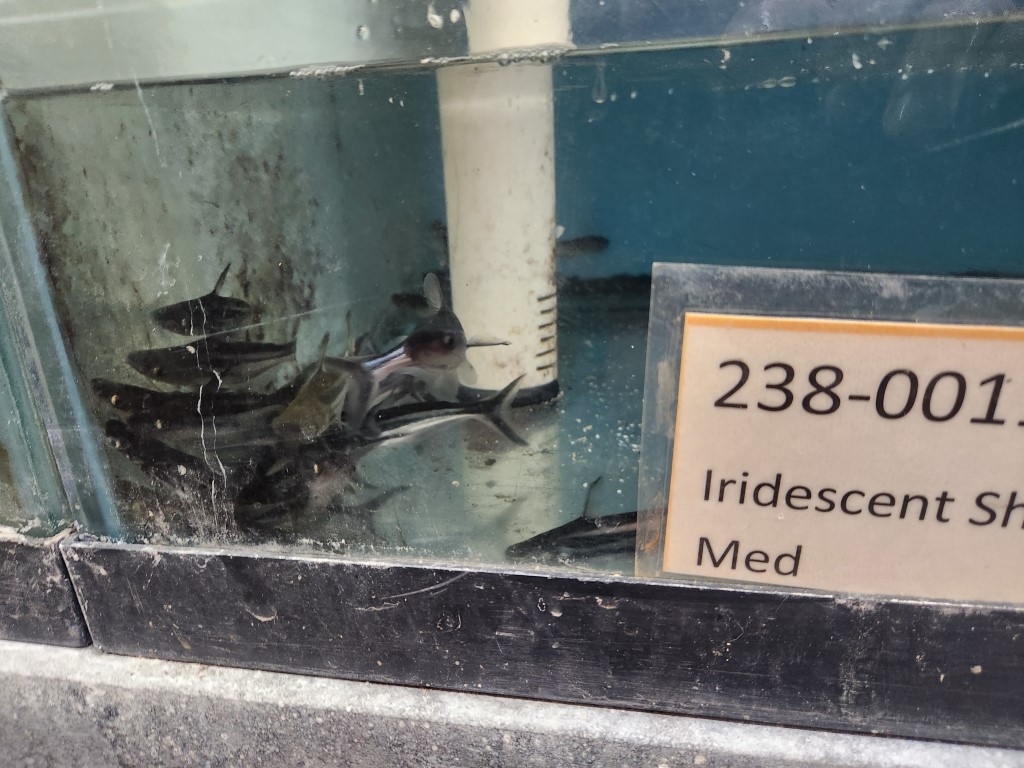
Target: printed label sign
(868, 457)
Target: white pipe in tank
(497, 131)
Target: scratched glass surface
(232, 263)
(30, 503)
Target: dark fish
(149, 405)
(207, 314)
(580, 246)
(270, 497)
(308, 488)
(417, 302)
(576, 246)
(583, 537)
(198, 361)
(178, 469)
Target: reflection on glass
(252, 282)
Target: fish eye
(155, 370)
(448, 341)
(114, 400)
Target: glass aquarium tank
(396, 303)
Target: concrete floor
(83, 708)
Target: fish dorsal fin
(586, 501)
(220, 280)
(432, 292)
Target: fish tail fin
(498, 409)
(220, 280)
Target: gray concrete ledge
(80, 707)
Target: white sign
(868, 457)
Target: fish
(318, 402)
(209, 314)
(310, 485)
(437, 347)
(198, 361)
(583, 537)
(587, 245)
(403, 421)
(181, 471)
(150, 405)
(269, 497)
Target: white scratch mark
(1010, 126)
(433, 588)
(381, 607)
(164, 271)
(106, 24)
(149, 118)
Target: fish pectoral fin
(467, 373)
(445, 386)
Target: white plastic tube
(497, 131)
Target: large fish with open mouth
(217, 357)
(205, 315)
(436, 348)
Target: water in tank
(307, 308)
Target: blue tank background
(674, 158)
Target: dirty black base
(926, 670)
(37, 602)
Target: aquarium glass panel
(288, 307)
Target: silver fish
(437, 347)
(583, 537)
(407, 420)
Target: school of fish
(275, 458)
